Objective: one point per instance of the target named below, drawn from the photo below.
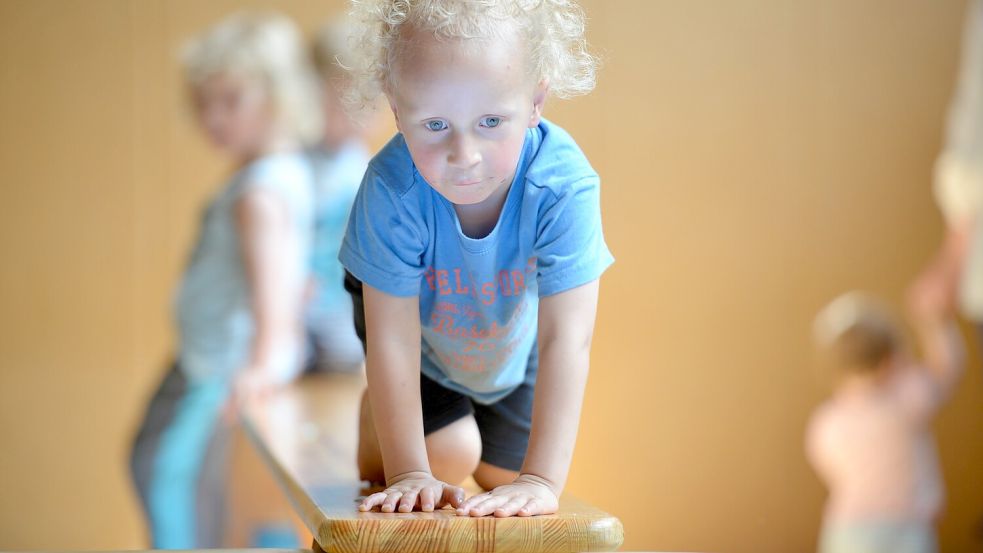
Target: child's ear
(538, 101)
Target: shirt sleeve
(383, 245)
(570, 248)
(287, 179)
(959, 168)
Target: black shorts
(504, 425)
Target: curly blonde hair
(552, 31)
(331, 43)
(266, 46)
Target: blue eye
(491, 122)
(436, 125)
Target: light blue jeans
(879, 537)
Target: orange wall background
(757, 157)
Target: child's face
(235, 113)
(464, 113)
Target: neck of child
(870, 379)
(479, 220)
(332, 144)
(275, 144)
(339, 135)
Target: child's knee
(489, 476)
(455, 450)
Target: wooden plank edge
(309, 512)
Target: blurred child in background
(339, 162)
(871, 443)
(239, 304)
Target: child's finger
(371, 501)
(389, 505)
(530, 508)
(487, 505)
(427, 499)
(407, 502)
(465, 506)
(511, 507)
(451, 495)
(230, 411)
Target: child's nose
(464, 152)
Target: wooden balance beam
(307, 435)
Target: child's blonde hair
(267, 47)
(330, 45)
(857, 332)
(552, 33)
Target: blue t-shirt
(479, 298)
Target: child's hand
(254, 382)
(526, 496)
(931, 297)
(414, 490)
(251, 384)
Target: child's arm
(817, 446)
(930, 303)
(943, 352)
(268, 243)
(944, 271)
(392, 365)
(566, 326)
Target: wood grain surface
(307, 434)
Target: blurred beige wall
(758, 157)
